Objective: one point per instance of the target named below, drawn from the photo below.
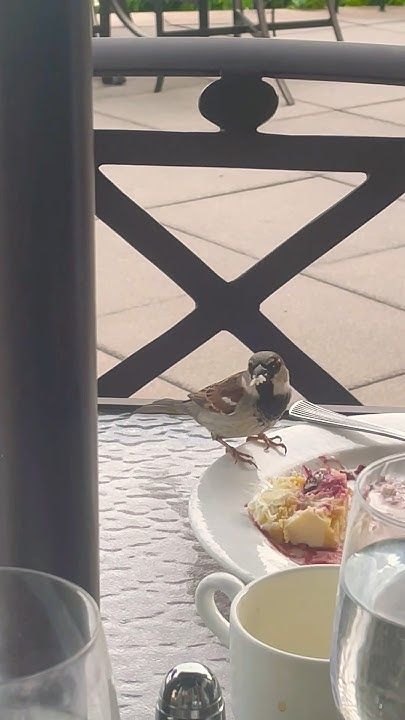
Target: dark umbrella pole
(48, 448)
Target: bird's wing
(222, 397)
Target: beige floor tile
(336, 123)
(130, 330)
(345, 333)
(254, 222)
(158, 389)
(393, 112)
(226, 263)
(386, 392)
(174, 110)
(154, 186)
(190, 17)
(384, 231)
(396, 25)
(142, 18)
(146, 26)
(284, 111)
(108, 122)
(372, 14)
(219, 357)
(125, 279)
(351, 33)
(349, 179)
(105, 362)
(353, 179)
(379, 275)
(135, 86)
(341, 95)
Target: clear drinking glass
(54, 663)
(368, 647)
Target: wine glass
(54, 663)
(368, 647)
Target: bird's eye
(273, 364)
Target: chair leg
(273, 19)
(105, 24)
(261, 14)
(236, 10)
(94, 23)
(203, 19)
(159, 83)
(159, 8)
(285, 91)
(331, 5)
(105, 31)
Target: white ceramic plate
(217, 505)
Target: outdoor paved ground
(347, 310)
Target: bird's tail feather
(166, 406)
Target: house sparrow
(243, 405)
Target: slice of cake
(304, 509)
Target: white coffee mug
(279, 637)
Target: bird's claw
(274, 443)
(239, 456)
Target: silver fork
(304, 410)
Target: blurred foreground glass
(54, 663)
(368, 649)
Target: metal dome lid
(190, 691)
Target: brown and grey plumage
(243, 405)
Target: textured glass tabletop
(151, 563)
(150, 560)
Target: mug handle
(207, 607)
